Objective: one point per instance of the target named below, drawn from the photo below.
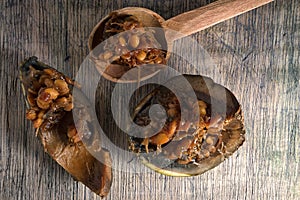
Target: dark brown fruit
(213, 130)
(50, 106)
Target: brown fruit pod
(62, 137)
(188, 147)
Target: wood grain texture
(206, 16)
(255, 55)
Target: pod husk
(206, 90)
(73, 157)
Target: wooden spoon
(179, 26)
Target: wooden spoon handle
(196, 20)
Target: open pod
(198, 131)
(50, 103)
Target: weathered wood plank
(256, 55)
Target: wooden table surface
(256, 56)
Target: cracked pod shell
(198, 147)
(48, 96)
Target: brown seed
(200, 157)
(158, 60)
(76, 138)
(206, 153)
(43, 77)
(35, 108)
(125, 51)
(114, 58)
(212, 149)
(45, 97)
(202, 104)
(141, 55)
(62, 102)
(202, 111)
(41, 114)
(73, 134)
(52, 92)
(134, 41)
(122, 41)
(126, 56)
(69, 106)
(48, 82)
(31, 114)
(61, 86)
(235, 134)
(43, 100)
(234, 125)
(202, 108)
(107, 55)
(71, 131)
(209, 140)
(50, 72)
(100, 57)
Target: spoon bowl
(175, 28)
(149, 19)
